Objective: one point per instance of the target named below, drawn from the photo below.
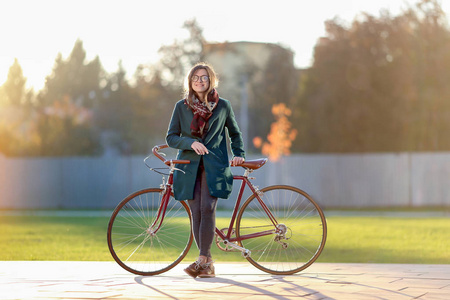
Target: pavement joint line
(106, 280)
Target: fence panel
(335, 180)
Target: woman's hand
(237, 161)
(199, 148)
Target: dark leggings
(203, 209)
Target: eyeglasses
(203, 78)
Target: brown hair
(213, 80)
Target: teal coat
(218, 173)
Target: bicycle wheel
(131, 239)
(298, 239)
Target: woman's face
(200, 86)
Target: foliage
(58, 121)
(134, 118)
(15, 113)
(281, 135)
(64, 128)
(379, 85)
(82, 111)
(130, 116)
(180, 56)
(275, 84)
(13, 90)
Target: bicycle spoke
(137, 244)
(301, 224)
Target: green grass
(387, 240)
(53, 238)
(350, 239)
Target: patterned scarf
(202, 113)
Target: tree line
(379, 84)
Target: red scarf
(202, 113)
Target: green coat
(218, 173)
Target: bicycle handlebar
(251, 164)
(165, 161)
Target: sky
(132, 31)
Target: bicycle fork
(167, 189)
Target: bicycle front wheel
(297, 239)
(133, 240)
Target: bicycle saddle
(253, 164)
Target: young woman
(198, 129)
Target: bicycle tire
(305, 227)
(143, 253)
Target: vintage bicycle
(279, 229)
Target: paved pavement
(106, 280)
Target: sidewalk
(106, 280)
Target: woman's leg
(203, 208)
(195, 207)
(208, 219)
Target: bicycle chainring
(220, 242)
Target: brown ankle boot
(206, 270)
(194, 269)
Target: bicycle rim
(131, 241)
(297, 215)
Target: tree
(180, 56)
(134, 118)
(71, 94)
(65, 129)
(276, 86)
(115, 115)
(281, 135)
(378, 85)
(13, 90)
(16, 115)
(75, 77)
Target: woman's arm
(173, 137)
(237, 143)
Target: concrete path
(106, 280)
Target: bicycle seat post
(247, 173)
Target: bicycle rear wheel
(131, 238)
(302, 230)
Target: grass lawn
(350, 239)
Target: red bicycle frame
(163, 206)
(246, 182)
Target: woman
(198, 129)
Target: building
(253, 76)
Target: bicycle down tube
(279, 229)
(246, 182)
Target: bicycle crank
(220, 242)
(245, 252)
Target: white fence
(334, 180)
